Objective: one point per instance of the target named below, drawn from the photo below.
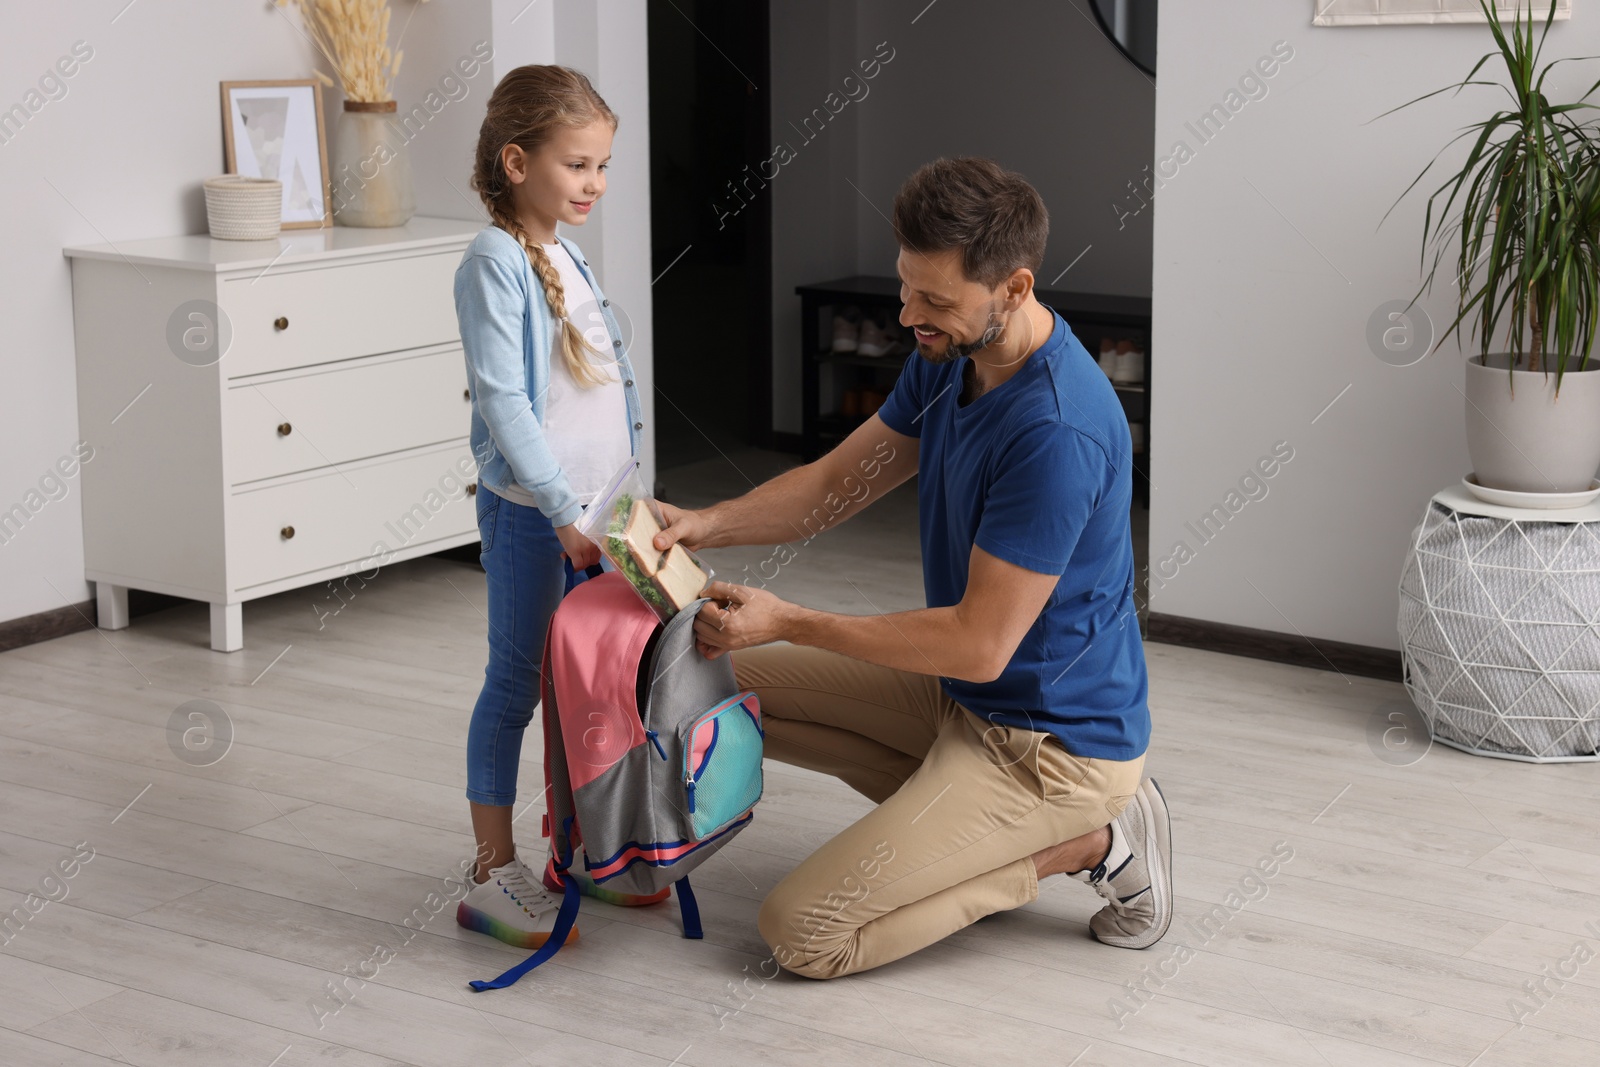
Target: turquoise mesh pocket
(722, 764)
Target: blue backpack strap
(552, 944)
(688, 909)
(572, 579)
(570, 897)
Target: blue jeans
(527, 578)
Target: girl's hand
(583, 552)
(689, 528)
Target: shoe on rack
(1136, 365)
(1108, 357)
(1123, 372)
(1135, 878)
(513, 906)
(898, 344)
(873, 341)
(845, 334)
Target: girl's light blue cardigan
(506, 332)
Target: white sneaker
(512, 906)
(1136, 366)
(873, 341)
(1122, 372)
(1135, 878)
(844, 334)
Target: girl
(552, 419)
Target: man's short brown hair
(991, 214)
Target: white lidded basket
(241, 208)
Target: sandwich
(679, 577)
(667, 580)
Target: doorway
(711, 252)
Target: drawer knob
(283, 429)
(472, 490)
(286, 533)
(280, 323)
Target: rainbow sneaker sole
(482, 923)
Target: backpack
(652, 754)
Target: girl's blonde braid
(575, 348)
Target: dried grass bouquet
(353, 35)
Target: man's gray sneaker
(1136, 875)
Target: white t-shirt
(586, 427)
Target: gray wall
(119, 150)
(1031, 83)
(1268, 264)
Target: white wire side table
(1500, 628)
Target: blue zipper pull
(688, 784)
(656, 741)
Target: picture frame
(1425, 12)
(274, 129)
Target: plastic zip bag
(623, 520)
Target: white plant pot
(1522, 436)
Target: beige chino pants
(962, 806)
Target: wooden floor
(1417, 903)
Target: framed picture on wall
(273, 129)
(1396, 12)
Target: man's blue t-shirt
(1037, 471)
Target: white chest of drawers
(328, 440)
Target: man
(1002, 729)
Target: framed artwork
(1396, 12)
(273, 129)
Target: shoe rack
(841, 389)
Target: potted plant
(371, 161)
(1527, 239)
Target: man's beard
(953, 351)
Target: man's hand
(750, 617)
(690, 528)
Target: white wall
(119, 155)
(1030, 83)
(118, 152)
(1268, 262)
(622, 77)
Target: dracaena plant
(1529, 213)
